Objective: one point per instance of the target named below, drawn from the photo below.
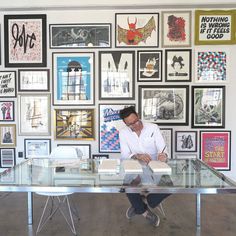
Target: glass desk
(74, 175)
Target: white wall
(108, 16)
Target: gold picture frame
(8, 135)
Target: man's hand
(162, 157)
(143, 157)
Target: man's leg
(154, 199)
(137, 202)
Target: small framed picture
(7, 111)
(7, 157)
(83, 150)
(149, 66)
(137, 29)
(178, 65)
(8, 135)
(185, 141)
(37, 148)
(216, 149)
(176, 28)
(167, 134)
(7, 84)
(208, 106)
(33, 80)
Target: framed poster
(185, 141)
(25, 40)
(34, 114)
(176, 28)
(33, 80)
(76, 124)
(215, 27)
(109, 126)
(178, 65)
(208, 106)
(8, 135)
(7, 84)
(137, 29)
(167, 134)
(83, 150)
(212, 65)
(116, 75)
(216, 149)
(64, 36)
(164, 105)
(149, 66)
(7, 111)
(37, 148)
(7, 157)
(73, 78)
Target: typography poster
(7, 84)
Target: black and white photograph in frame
(178, 65)
(149, 66)
(167, 134)
(116, 76)
(185, 141)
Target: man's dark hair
(127, 111)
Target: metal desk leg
(198, 214)
(30, 208)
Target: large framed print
(116, 75)
(109, 125)
(25, 40)
(216, 149)
(137, 29)
(215, 27)
(76, 124)
(176, 28)
(7, 84)
(208, 106)
(8, 135)
(83, 150)
(185, 141)
(73, 78)
(212, 65)
(34, 114)
(167, 134)
(164, 105)
(178, 65)
(33, 80)
(7, 157)
(64, 36)
(7, 111)
(149, 66)
(37, 148)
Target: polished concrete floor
(104, 215)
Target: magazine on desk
(132, 166)
(108, 166)
(159, 167)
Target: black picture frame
(8, 84)
(7, 157)
(7, 111)
(167, 134)
(25, 40)
(84, 148)
(185, 141)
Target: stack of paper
(132, 166)
(108, 166)
(159, 167)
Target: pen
(163, 149)
(152, 134)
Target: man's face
(133, 122)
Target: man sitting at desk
(143, 142)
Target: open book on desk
(108, 166)
(160, 167)
(132, 166)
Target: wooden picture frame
(8, 135)
(149, 66)
(73, 78)
(164, 104)
(178, 65)
(185, 141)
(35, 148)
(116, 75)
(74, 124)
(25, 40)
(7, 111)
(36, 80)
(167, 134)
(208, 106)
(216, 149)
(34, 114)
(137, 29)
(83, 150)
(7, 157)
(215, 27)
(7, 84)
(64, 36)
(176, 28)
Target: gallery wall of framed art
(64, 78)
